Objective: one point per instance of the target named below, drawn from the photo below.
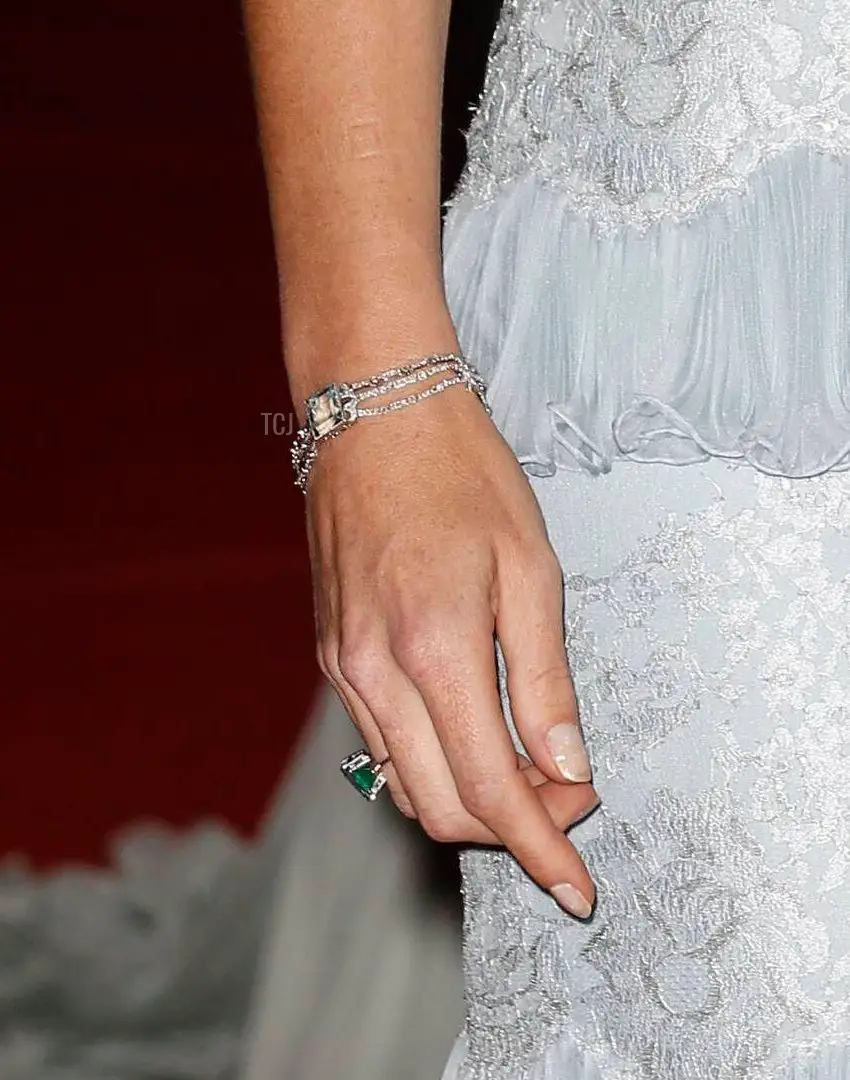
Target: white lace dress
(649, 259)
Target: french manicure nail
(572, 901)
(567, 748)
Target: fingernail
(572, 901)
(567, 748)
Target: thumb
(530, 628)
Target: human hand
(426, 541)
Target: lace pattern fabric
(649, 259)
(641, 109)
(711, 657)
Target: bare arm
(425, 537)
(349, 96)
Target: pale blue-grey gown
(649, 260)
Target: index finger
(460, 691)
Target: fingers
(453, 667)
(326, 613)
(397, 725)
(361, 717)
(565, 805)
(417, 755)
(414, 749)
(427, 693)
(540, 688)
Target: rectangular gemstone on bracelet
(330, 408)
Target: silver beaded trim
(337, 406)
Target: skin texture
(425, 536)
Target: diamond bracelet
(337, 406)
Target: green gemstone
(363, 779)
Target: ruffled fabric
(726, 335)
(198, 956)
(136, 972)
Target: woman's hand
(425, 535)
(426, 540)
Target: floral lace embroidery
(712, 665)
(638, 109)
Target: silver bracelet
(337, 406)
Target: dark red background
(157, 650)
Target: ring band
(364, 773)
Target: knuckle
(361, 654)
(484, 797)
(533, 559)
(551, 681)
(444, 828)
(416, 643)
(360, 661)
(547, 568)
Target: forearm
(349, 100)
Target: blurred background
(157, 640)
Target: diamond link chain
(337, 406)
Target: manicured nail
(567, 748)
(572, 901)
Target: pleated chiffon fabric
(725, 335)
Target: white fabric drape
(145, 971)
(362, 971)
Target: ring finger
(419, 762)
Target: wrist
(346, 349)
(335, 409)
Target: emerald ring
(364, 773)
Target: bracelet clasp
(330, 409)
